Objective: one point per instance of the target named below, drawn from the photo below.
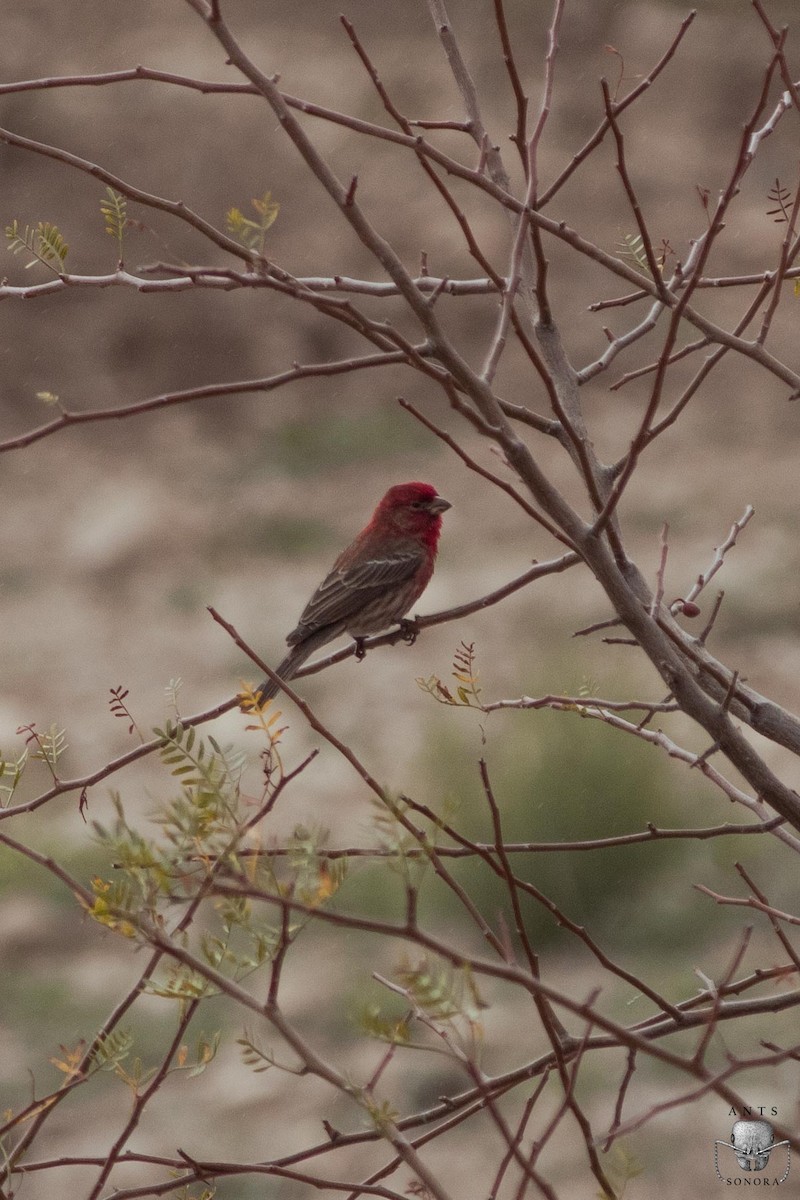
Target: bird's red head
(413, 509)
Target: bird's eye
(417, 503)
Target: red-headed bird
(374, 582)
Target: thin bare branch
(705, 577)
(269, 383)
(520, 136)
(779, 932)
(630, 191)
(621, 105)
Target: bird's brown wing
(344, 592)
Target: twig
(175, 208)
(304, 707)
(775, 914)
(208, 391)
(621, 105)
(780, 273)
(519, 137)
(660, 739)
(475, 466)
(468, 849)
(630, 1067)
(709, 1029)
(679, 309)
(630, 191)
(779, 932)
(556, 1032)
(705, 577)
(658, 595)
(545, 315)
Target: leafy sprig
(44, 241)
(782, 198)
(115, 213)
(47, 747)
(252, 233)
(632, 248)
(468, 691)
(10, 775)
(120, 709)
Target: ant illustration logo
(752, 1142)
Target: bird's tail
(287, 670)
(293, 662)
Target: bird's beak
(439, 505)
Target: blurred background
(116, 537)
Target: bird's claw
(408, 631)
(361, 651)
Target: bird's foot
(361, 650)
(408, 631)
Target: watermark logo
(751, 1144)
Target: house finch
(374, 582)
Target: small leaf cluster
(244, 943)
(622, 1168)
(252, 233)
(199, 826)
(180, 983)
(11, 770)
(201, 840)
(384, 1027)
(47, 747)
(632, 248)
(120, 709)
(382, 1113)
(468, 691)
(257, 1057)
(314, 879)
(441, 992)
(45, 243)
(43, 240)
(409, 851)
(115, 214)
(782, 198)
(202, 819)
(113, 899)
(112, 1053)
(440, 998)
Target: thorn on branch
(332, 1133)
(620, 70)
(731, 692)
(704, 757)
(190, 1162)
(351, 192)
(704, 195)
(437, 291)
(608, 624)
(484, 155)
